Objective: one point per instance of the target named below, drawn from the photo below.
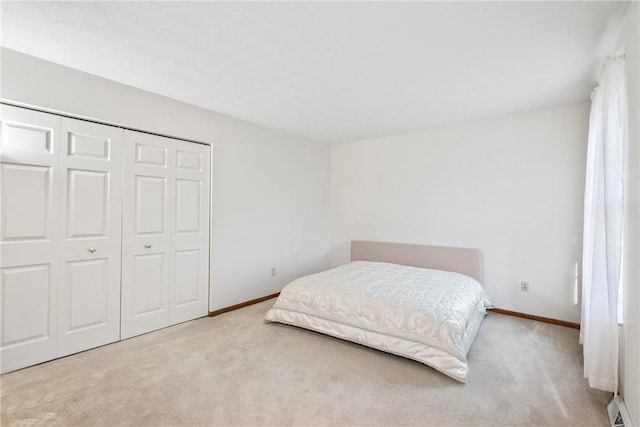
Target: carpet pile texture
(237, 369)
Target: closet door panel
(29, 137)
(190, 253)
(25, 213)
(91, 204)
(150, 201)
(146, 261)
(87, 281)
(149, 275)
(26, 290)
(187, 278)
(29, 182)
(88, 203)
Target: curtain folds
(603, 228)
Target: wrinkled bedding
(431, 316)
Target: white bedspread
(427, 315)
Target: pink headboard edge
(467, 261)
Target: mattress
(431, 316)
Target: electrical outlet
(273, 272)
(524, 286)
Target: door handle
(92, 250)
(147, 246)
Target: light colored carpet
(235, 369)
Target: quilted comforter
(431, 316)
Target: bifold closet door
(90, 236)
(100, 238)
(29, 236)
(60, 237)
(165, 246)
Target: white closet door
(165, 251)
(91, 204)
(190, 252)
(29, 181)
(146, 234)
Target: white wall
(270, 190)
(512, 186)
(630, 354)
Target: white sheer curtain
(603, 228)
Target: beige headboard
(460, 260)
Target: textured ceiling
(332, 71)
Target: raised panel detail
(87, 293)
(23, 137)
(26, 203)
(147, 283)
(151, 155)
(186, 276)
(187, 205)
(188, 160)
(88, 199)
(93, 147)
(150, 202)
(25, 304)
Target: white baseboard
(625, 413)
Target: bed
(424, 303)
